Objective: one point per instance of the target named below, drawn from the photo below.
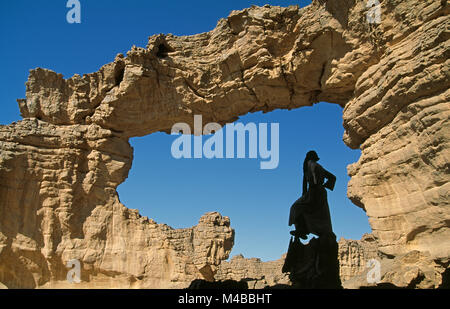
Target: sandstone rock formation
(256, 273)
(413, 270)
(121, 249)
(61, 165)
(355, 254)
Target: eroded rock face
(117, 247)
(412, 270)
(256, 273)
(61, 165)
(354, 256)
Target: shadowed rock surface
(218, 285)
(353, 256)
(314, 265)
(60, 166)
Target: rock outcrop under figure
(314, 265)
(60, 166)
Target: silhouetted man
(311, 213)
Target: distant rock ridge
(256, 273)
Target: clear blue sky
(177, 192)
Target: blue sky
(177, 192)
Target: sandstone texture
(256, 273)
(413, 270)
(60, 166)
(121, 249)
(354, 256)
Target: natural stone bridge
(60, 166)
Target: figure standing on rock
(311, 213)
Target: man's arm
(305, 185)
(331, 179)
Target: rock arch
(65, 159)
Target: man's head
(312, 155)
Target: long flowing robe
(311, 213)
